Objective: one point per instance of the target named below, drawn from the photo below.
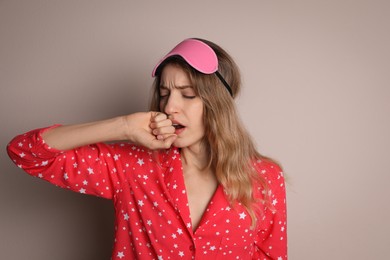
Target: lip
(179, 130)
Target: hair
(230, 148)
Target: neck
(195, 156)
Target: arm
(271, 241)
(152, 130)
(74, 158)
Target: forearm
(72, 136)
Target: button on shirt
(151, 207)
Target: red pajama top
(152, 218)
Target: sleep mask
(199, 56)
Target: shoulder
(273, 183)
(269, 170)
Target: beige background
(316, 97)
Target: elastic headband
(199, 56)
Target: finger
(158, 116)
(164, 130)
(169, 141)
(163, 136)
(163, 144)
(163, 123)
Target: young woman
(186, 180)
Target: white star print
(126, 216)
(274, 202)
(90, 170)
(242, 215)
(141, 203)
(140, 162)
(22, 155)
(181, 253)
(66, 176)
(82, 190)
(85, 182)
(44, 163)
(120, 255)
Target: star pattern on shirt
(242, 215)
(150, 198)
(90, 170)
(120, 255)
(140, 162)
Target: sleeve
(92, 169)
(271, 240)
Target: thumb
(163, 144)
(169, 140)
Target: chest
(200, 189)
(177, 194)
(164, 207)
(159, 209)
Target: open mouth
(177, 126)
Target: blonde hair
(229, 146)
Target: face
(185, 109)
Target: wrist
(126, 128)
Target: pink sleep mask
(198, 55)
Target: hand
(152, 130)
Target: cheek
(199, 113)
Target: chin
(179, 144)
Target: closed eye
(164, 94)
(186, 92)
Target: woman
(188, 182)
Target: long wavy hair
(230, 148)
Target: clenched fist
(152, 130)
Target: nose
(172, 104)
